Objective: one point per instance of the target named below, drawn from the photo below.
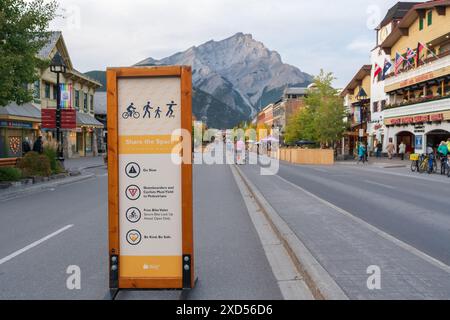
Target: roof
(100, 103)
(397, 12)
(27, 110)
(296, 90)
(359, 76)
(84, 119)
(409, 19)
(45, 51)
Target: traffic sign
(149, 187)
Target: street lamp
(362, 98)
(58, 66)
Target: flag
(386, 68)
(66, 96)
(419, 50)
(377, 71)
(398, 62)
(409, 55)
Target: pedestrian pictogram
(133, 192)
(134, 237)
(133, 215)
(132, 170)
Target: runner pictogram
(132, 170)
(133, 192)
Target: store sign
(16, 124)
(418, 79)
(68, 119)
(150, 188)
(416, 119)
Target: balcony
(432, 105)
(429, 66)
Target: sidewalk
(383, 162)
(79, 164)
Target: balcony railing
(430, 106)
(429, 65)
(417, 101)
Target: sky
(336, 36)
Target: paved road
(231, 263)
(411, 208)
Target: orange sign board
(150, 187)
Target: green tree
(23, 32)
(322, 120)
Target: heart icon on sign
(133, 237)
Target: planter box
(308, 156)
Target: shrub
(35, 164)
(52, 156)
(10, 174)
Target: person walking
(390, 149)
(38, 145)
(147, 109)
(26, 146)
(362, 152)
(379, 150)
(402, 150)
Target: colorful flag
(377, 71)
(398, 62)
(420, 48)
(66, 96)
(386, 68)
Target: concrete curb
(317, 278)
(38, 187)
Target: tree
(23, 32)
(322, 120)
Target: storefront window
(89, 141)
(37, 90)
(47, 91)
(85, 102)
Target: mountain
(100, 76)
(233, 78)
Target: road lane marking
(320, 170)
(381, 233)
(34, 244)
(379, 184)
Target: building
(19, 122)
(356, 97)
(418, 106)
(376, 130)
(291, 102)
(100, 114)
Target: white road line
(379, 184)
(381, 233)
(34, 244)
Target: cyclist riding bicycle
(131, 109)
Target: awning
(25, 112)
(84, 119)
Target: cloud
(308, 34)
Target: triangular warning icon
(133, 191)
(132, 170)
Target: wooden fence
(305, 156)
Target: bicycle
(415, 158)
(135, 115)
(424, 164)
(444, 164)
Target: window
(55, 92)
(85, 102)
(383, 105)
(430, 18)
(47, 90)
(421, 24)
(77, 99)
(375, 106)
(37, 90)
(91, 104)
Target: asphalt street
(44, 233)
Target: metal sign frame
(116, 282)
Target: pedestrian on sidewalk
(390, 149)
(26, 146)
(379, 149)
(402, 150)
(362, 153)
(38, 145)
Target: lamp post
(58, 66)
(362, 98)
